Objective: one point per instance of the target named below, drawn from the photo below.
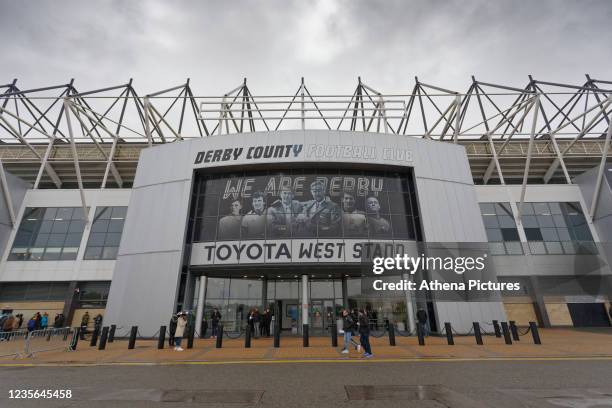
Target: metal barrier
(12, 343)
(48, 340)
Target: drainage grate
(435, 393)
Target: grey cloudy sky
(330, 43)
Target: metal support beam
(529, 152)
(67, 108)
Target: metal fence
(22, 343)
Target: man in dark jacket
(348, 325)
(364, 333)
(172, 330)
(215, 317)
(422, 319)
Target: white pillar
(409, 306)
(200, 307)
(305, 300)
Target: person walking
(364, 334)
(215, 317)
(7, 327)
(256, 320)
(181, 323)
(37, 319)
(19, 320)
(32, 324)
(348, 325)
(422, 319)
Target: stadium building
(136, 207)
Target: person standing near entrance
(264, 323)
(181, 323)
(215, 317)
(422, 319)
(172, 329)
(364, 333)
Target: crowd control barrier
(48, 340)
(12, 343)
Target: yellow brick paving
(557, 344)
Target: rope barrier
(526, 331)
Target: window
(93, 294)
(557, 228)
(105, 234)
(33, 291)
(501, 229)
(48, 234)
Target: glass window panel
(555, 208)
(50, 213)
(569, 247)
(549, 234)
(583, 233)
(545, 221)
(31, 225)
(115, 225)
(533, 234)
(33, 213)
(103, 213)
(52, 254)
(96, 239)
(19, 254)
(490, 221)
(110, 252)
(537, 248)
(397, 203)
(503, 209)
(119, 212)
(73, 240)
(100, 226)
(527, 209)
(112, 239)
(514, 248)
(216, 288)
(41, 240)
(530, 221)
(321, 290)
(36, 254)
(93, 253)
(69, 253)
(541, 208)
(37, 291)
(554, 248)
(64, 213)
(60, 227)
(45, 226)
(487, 208)
(506, 221)
(563, 234)
(559, 221)
(209, 229)
(77, 214)
(497, 248)
(76, 226)
(510, 234)
(494, 235)
(56, 240)
(22, 239)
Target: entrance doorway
(322, 315)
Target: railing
(22, 343)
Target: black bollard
(219, 336)
(75, 339)
(496, 328)
(111, 333)
(477, 333)
(305, 342)
(162, 338)
(94, 336)
(334, 334)
(449, 334)
(103, 338)
(514, 330)
(132, 341)
(276, 335)
(507, 338)
(247, 338)
(534, 333)
(204, 329)
(190, 335)
(420, 334)
(391, 330)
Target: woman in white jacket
(180, 330)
